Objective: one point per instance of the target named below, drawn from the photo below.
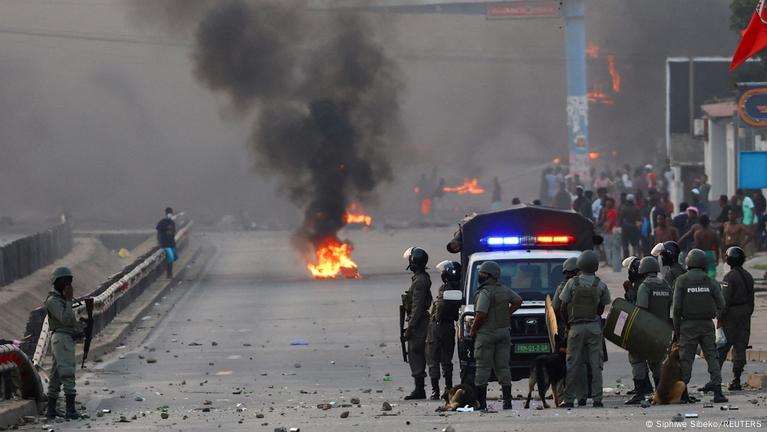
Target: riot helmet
(668, 251)
(632, 263)
(416, 258)
(735, 256)
(450, 271)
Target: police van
(530, 243)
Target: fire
(333, 260)
(426, 206)
(356, 215)
(598, 96)
(614, 74)
(469, 186)
(592, 50)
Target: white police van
(530, 243)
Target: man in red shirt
(650, 177)
(612, 238)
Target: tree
(741, 13)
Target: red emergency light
(555, 240)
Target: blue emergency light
(530, 240)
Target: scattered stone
(297, 365)
(214, 343)
(367, 391)
(151, 360)
(236, 392)
(325, 406)
(280, 429)
(448, 429)
(677, 418)
(345, 414)
(207, 402)
(123, 419)
(205, 410)
(164, 415)
(139, 399)
(355, 401)
(259, 415)
(386, 406)
(195, 344)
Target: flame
(614, 74)
(598, 96)
(426, 206)
(594, 155)
(356, 215)
(333, 260)
(469, 186)
(592, 50)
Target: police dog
(671, 387)
(458, 397)
(548, 370)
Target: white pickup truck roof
(522, 255)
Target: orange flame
(469, 186)
(592, 50)
(333, 260)
(598, 96)
(426, 206)
(356, 215)
(614, 74)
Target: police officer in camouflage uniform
(417, 301)
(669, 254)
(697, 301)
(654, 296)
(735, 318)
(584, 298)
(65, 328)
(440, 339)
(492, 341)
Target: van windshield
(531, 279)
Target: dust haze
(106, 112)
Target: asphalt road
(221, 355)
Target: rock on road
(216, 354)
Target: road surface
(217, 353)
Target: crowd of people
(632, 211)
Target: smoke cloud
(322, 92)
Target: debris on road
(386, 406)
(299, 342)
(345, 414)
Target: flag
(753, 39)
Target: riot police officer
(492, 341)
(697, 301)
(417, 300)
(735, 318)
(630, 288)
(653, 295)
(440, 339)
(669, 254)
(569, 270)
(584, 298)
(65, 328)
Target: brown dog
(671, 387)
(458, 397)
(548, 370)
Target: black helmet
(668, 251)
(416, 258)
(735, 256)
(632, 263)
(451, 271)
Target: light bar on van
(541, 240)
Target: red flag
(754, 38)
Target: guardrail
(12, 357)
(110, 298)
(26, 255)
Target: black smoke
(322, 92)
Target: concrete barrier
(26, 255)
(110, 298)
(11, 357)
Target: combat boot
(52, 411)
(686, 398)
(448, 386)
(506, 396)
(719, 397)
(71, 413)
(709, 387)
(735, 384)
(641, 387)
(434, 389)
(482, 396)
(419, 392)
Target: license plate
(531, 348)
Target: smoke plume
(322, 92)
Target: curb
(127, 323)
(13, 412)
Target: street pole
(577, 99)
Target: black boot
(641, 387)
(709, 387)
(448, 385)
(506, 396)
(719, 397)
(419, 392)
(686, 398)
(735, 384)
(435, 389)
(52, 412)
(482, 396)
(71, 413)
